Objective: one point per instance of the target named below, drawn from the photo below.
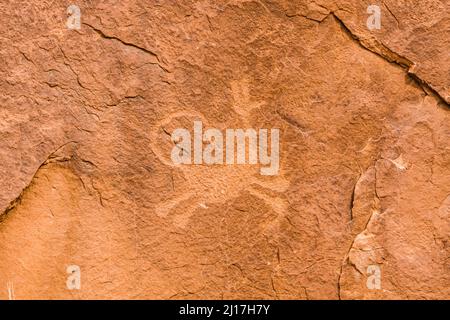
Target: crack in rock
(129, 44)
(49, 159)
(386, 53)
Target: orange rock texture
(360, 206)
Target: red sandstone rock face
(360, 208)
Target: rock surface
(364, 119)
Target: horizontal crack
(129, 44)
(306, 17)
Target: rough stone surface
(85, 170)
